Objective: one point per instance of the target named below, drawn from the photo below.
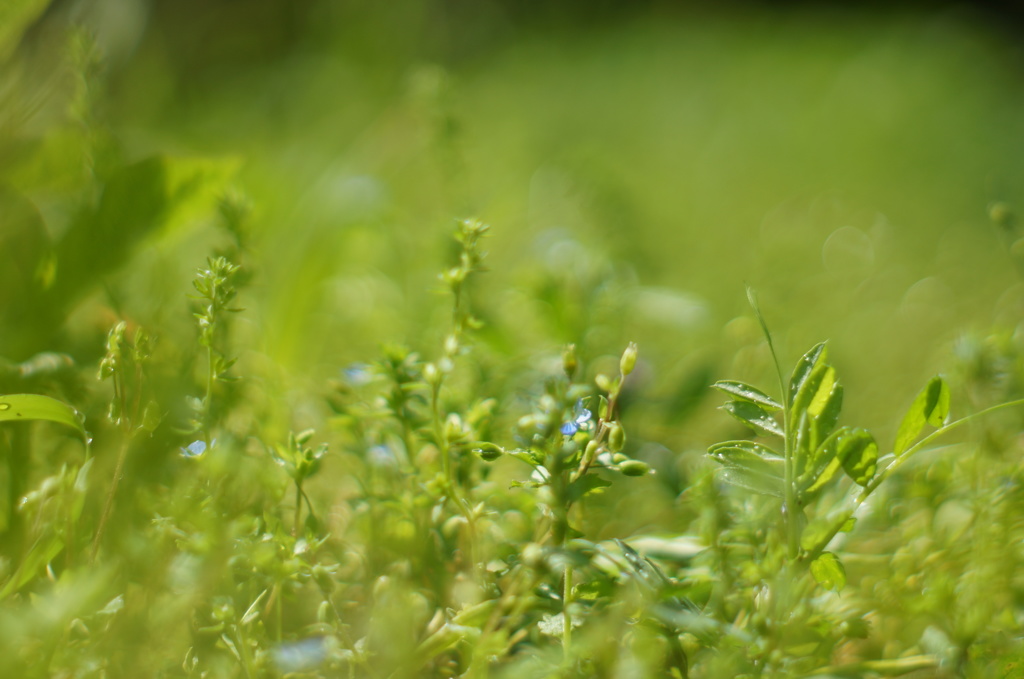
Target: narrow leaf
(931, 406)
(24, 407)
(829, 571)
(807, 363)
(750, 456)
(822, 464)
(748, 480)
(745, 392)
(754, 416)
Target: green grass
(325, 438)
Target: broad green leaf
(807, 363)
(138, 200)
(24, 407)
(752, 481)
(828, 571)
(745, 392)
(931, 406)
(754, 416)
(749, 456)
(857, 450)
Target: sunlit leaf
(754, 416)
(858, 452)
(752, 481)
(25, 407)
(804, 367)
(749, 455)
(931, 406)
(745, 392)
(828, 571)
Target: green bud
(616, 436)
(569, 361)
(590, 453)
(533, 556)
(604, 383)
(628, 360)
(431, 374)
(634, 468)
(451, 345)
(453, 429)
(488, 452)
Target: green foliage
(298, 463)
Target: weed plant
(175, 506)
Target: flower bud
(431, 374)
(634, 468)
(488, 452)
(628, 360)
(569, 361)
(616, 436)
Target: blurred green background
(640, 163)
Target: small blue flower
(581, 418)
(195, 449)
(358, 374)
(301, 656)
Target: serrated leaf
(807, 363)
(931, 406)
(744, 392)
(25, 407)
(748, 455)
(754, 416)
(828, 571)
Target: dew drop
(5, 406)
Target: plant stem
(109, 504)
(567, 614)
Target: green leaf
(24, 407)
(752, 481)
(858, 452)
(137, 201)
(754, 416)
(586, 485)
(852, 448)
(931, 406)
(804, 367)
(818, 530)
(750, 456)
(828, 571)
(745, 392)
